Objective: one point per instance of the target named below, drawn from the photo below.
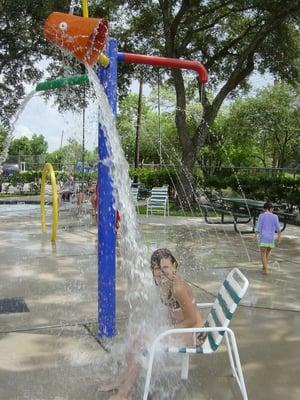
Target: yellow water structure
(48, 170)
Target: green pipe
(58, 83)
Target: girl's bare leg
(125, 382)
(268, 253)
(264, 259)
(126, 386)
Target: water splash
(134, 254)
(9, 136)
(75, 5)
(147, 315)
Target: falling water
(9, 136)
(141, 292)
(241, 191)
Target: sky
(41, 118)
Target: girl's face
(164, 273)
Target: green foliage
(35, 146)
(154, 177)
(3, 135)
(149, 130)
(69, 155)
(22, 47)
(260, 187)
(232, 39)
(261, 131)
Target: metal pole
(106, 212)
(138, 125)
(83, 131)
(158, 112)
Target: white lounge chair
(216, 327)
(158, 202)
(134, 196)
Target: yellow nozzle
(103, 60)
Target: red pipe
(165, 62)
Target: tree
(56, 158)
(3, 135)
(149, 140)
(276, 119)
(22, 48)
(69, 155)
(38, 144)
(261, 130)
(19, 146)
(231, 38)
(33, 151)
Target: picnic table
(242, 211)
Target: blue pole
(106, 213)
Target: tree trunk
(138, 126)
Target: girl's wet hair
(159, 254)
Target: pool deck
(49, 351)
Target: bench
(285, 218)
(224, 211)
(242, 215)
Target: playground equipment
(48, 170)
(59, 83)
(86, 41)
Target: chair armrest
(204, 305)
(176, 331)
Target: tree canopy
(260, 130)
(22, 48)
(232, 39)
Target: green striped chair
(215, 328)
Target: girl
(267, 225)
(177, 295)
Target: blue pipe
(106, 213)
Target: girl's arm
(258, 227)
(189, 311)
(278, 230)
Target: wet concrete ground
(50, 353)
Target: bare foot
(264, 271)
(119, 397)
(107, 387)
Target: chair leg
(238, 368)
(185, 359)
(149, 373)
(229, 350)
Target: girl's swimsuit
(174, 309)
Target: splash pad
(85, 38)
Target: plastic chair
(134, 197)
(158, 201)
(216, 327)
